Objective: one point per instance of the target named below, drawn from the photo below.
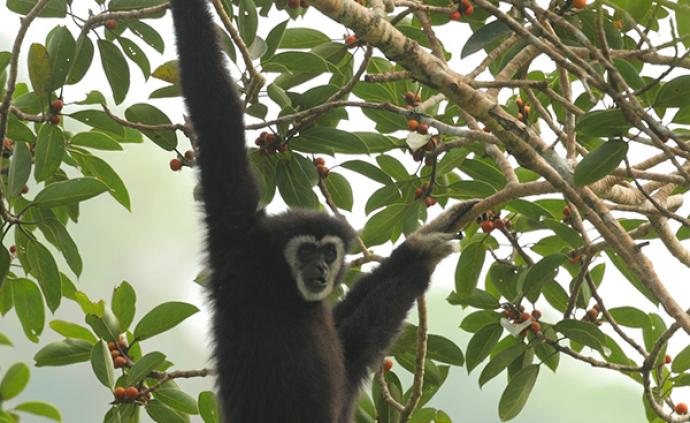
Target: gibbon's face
(315, 264)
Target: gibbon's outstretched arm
(369, 317)
(229, 188)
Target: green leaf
(20, 169)
(50, 148)
(99, 168)
(72, 330)
(39, 408)
(208, 407)
(565, 232)
(28, 305)
(248, 21)
(97, 140)
(69, 192)
(340, 190)
(681, 362)
(630, 316)
(603, 123)
(585, 333)
(275, 38)
(123, 304)
(99, 120)
(61, 49)
(52, 9)
(15, 380)
(115, 69)
(296, 61)
(478, 319)
(149, 35)
(675, 93)
(136, 55)
(82, 60)
(295, 38)
(144, 366)
(45, 269)
(468, 269)
(64, 352)
(484, 36)
(295, 179)
(330, 140)
(56, 233)
(500, 362)
(4, 264)
(600, 162)
(382, 197)
(4, 340)
(161, 413)
(379, 228)
(481, 344)
(392, 167)
(517, 392)
(150, 115)
(102, 364)
(40, 72)
(163, 317)
(369, 170)
(444, 350)
(543, 271)
(177, 400)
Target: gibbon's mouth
(316, 284)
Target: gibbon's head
(314, 246)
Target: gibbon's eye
(330, 253)
(306, 251)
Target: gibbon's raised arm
(229, 189)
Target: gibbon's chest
(284, 362)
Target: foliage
(550, 162)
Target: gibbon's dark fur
(280, 358)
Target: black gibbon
(282, 353)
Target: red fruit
(592, 314)
(412, 124)
(487, 226)
(579, 4)
(410, 97)
(469, 10)
(271, 138)
(351, 41)
(13, 249)
(119, 362)
(423, 128)
(418, 155)
(536, 314)
(618, 24)
(55, 119)
(120, 392)
(122, 343)
(519, 103)
(323, 171)
(263, 135)
(387, 364)
(319, 161)
(175, 165)
(115, 353)
(25, 189)
(7, 143)
(525, 316)
(499, 224)
(189, 155)
(132, 392)
(681, 408)
(56, 105)
(455, 15)
(535, 327)
(574, 260)
(430, 201)
(259, 142)
(667, 359)
(418, 192)
(111, 24)
(293, 4)
(566, 211)
(527, 109)
(520, 116)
